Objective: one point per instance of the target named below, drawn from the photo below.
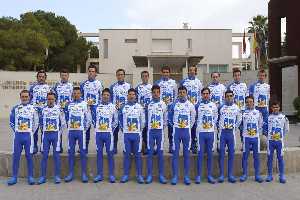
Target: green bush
(296, 104)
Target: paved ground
(76, 190)
(6, 138)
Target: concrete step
(291, 157)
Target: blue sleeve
(67, 115)
(171, 113)
(93, 113)
(196, 109)
(181, 82)
(219, 109)
(228, 86)
(41, 120)
(12, 122)
(55, 91)
(156, 82)
(31, 91)
(121, 117)
(111, 92)
(82, 89)
(251, 89)
(146, 115)
(137, 93)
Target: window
(105, 48)
(161, 45)
(189, 43)
(130, 40)
(218, 68)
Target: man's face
(24, 97)
(50, 100)
(262, 76)
(131, 96)
(192, 71)
(229, 97)
(64, 77)
(182, 93)
(165, 73)
(275, 108)
(76, 94)
(205, 95)
(120, 76)
(215, 77)
(250, 103)
(156, 94)
(145, 77)
(41, 77)
(237, 76)
(92, 73)
(105, 96)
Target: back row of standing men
(120, 95)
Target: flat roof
(150, 29)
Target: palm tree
(259, 25)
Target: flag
(254, 44)
(244, 43)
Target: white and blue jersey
(119, 91)
(157, 115)
(132, 118)
(252, 122)
(63, 92)
(194, 87)
(217, 92)
(207, 117)
(91, 91)
(105, 119)
(240, 91)
(38, 94)
(24, 118)
(77, 115)
(261, 93)
(278, 126)
(230, 117)
(183, 114)
(144, 94)
(51, 119)
(168, 90)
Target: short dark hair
(51, 93)
(155, 87)
(132, 90)
(76, 88)
(249, 97)
(64, 70)
(41, 72)
(262, 71)
(105, 90)
(93, 67)
(275, 102)
(215, 73)
(182, 88)
(236, 71)
(165, 67)
(121, 70)
(228, 92)
(24, 91)
(144, 72)
(206, 88)
(193, 66)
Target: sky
(91, 15)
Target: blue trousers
(181, 135)
(265, 114)
(278, 146)
(77, 135)
(107, 140)
(87, 138)
(116, 137)
(251, 144)
(132, 144)
(50, 138)
(205, 144)
(22, 140)
(145, 137)
(226, 138)
(170, 136)
(194, 137)
(155, 137)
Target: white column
(149, 64)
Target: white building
(136, 50)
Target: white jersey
(63, 93)
(229, 117)
(168, 90)
(106, 118)
(278, 126)
(38, 94)
(207, 117)
(51, 118)
(119, 93)
(91, 91)
(261, 94)
(183, 114)
(144, 94)
(194, 87)
(252, 122)
(217, 92)
(132, 118)
(77, 115)
(157, 115)
(240, 91)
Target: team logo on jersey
(103, 123)
(276, 133)
(51, 124)
(132, 124)
(64, 100)
(155, 121)
(251, 129)
(75, 122)
(167, 97)
(182, 121)
(40, 101)
(192, 97)
(228, 123)
(262, 99)
(239, 101)
(91, 99)
(215, 99)
(23, 124)
(207, 122)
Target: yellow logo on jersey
(276, 136)
(252, 132)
